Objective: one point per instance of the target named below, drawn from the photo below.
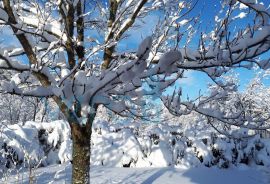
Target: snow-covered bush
(185, 145)
(191, 142)
(34, 144)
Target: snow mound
(35, 144)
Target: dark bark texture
(81, 136)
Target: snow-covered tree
(69, 50)
(15, 109)
(252, 105)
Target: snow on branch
(227, 51)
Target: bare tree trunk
(81, 136)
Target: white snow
(145, 48)
(241, 15)
(60, 174)
(183, 22)
(48, 143)
(242, 6)
(3, 15)
(168, 59)
(3, 64)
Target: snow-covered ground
(60, 174)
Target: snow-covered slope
(61, 174)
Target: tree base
(81, 136)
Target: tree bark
(81, 136)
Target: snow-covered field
(60, 174)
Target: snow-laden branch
(226, 51)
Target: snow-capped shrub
(34, 144)
(158, 145)
(131, 144)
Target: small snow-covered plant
(28, 161)
(57, 53)
(32, 145)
